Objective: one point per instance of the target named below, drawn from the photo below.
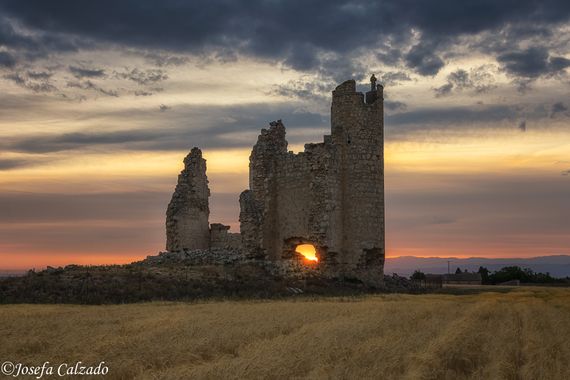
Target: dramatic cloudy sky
(101, 100)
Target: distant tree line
(418, 275)
(524, 275)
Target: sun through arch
(308, 251)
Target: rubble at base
(292, 271)
(212, 256)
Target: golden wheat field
(521, 334)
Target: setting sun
(308, 251)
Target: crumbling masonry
(331, 195)
(187, 215)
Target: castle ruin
(331, 196)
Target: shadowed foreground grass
(523, 334)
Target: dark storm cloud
(556, 64)
(39, 75)
(314, 90)
(523, 85)
(395, 105)
(528, 63)
(143, 77)
(460, 79)
(295, 32)
(10, 38)
(13, 163)
(443, 90)
(532, 62)
(164, 59)
(80, 72)
(558, 108)
(389, 56)
(6, 59)
(479, 79)
(34, 45)
(393, 78)
(33, 81)
(422, 59)
(148, 92)
(143, 93)
(89, 85)
(20, 163)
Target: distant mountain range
(12, 273)
(557, 266)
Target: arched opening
(308, 251)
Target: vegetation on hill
(418, 275)
(524, 275)
(506, 274)
(172, 281)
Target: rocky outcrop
(187, 225)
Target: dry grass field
(521, 334)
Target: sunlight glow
(308, 251)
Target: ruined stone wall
(187, 225)
(257, 205)
(331, 195)
(306, 200)
(220, 237)
(250, 219)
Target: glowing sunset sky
(100, 101)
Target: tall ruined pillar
(259, 208)
(187, 215)
(358, 132)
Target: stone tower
(187, 215)
(357, 124)
(331, 195)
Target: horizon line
(43, 267)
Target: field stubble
(522, 334)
